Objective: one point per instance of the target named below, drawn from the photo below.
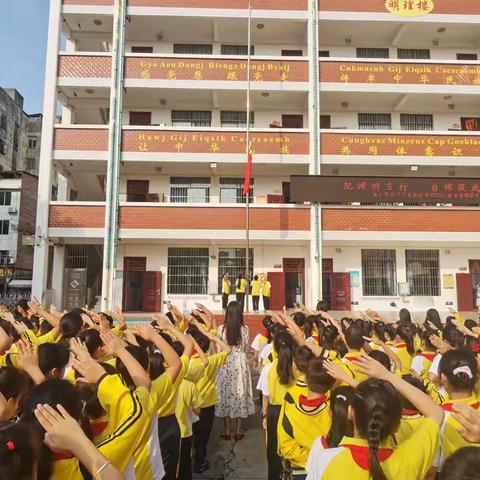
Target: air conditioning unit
(12, 210)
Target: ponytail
(283, 345)
(407, 334)
(374, 437)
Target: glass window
(374, 121)
(191, 118)
(231, 190)
(5, 198)
(192, 49)
(4, 227)
(189, 189)
(188, 271)
(236, 119)
(413, 53)
(233, 262)
(413, 121)
(423, 272)
(32, 143)
(237, 50)
(373, 53)
(379, 272)
(4, 257)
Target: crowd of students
(84, 395)
(361, 398)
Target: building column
(58, 272)
(40, 262)
(63, 187)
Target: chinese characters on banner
(400, 145)
(410, 8)
(215, 69)
(336, 189)
(399, 73)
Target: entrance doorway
(467, 286)
(327, 272)
(294, 270)
(133, 273)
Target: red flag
(248, 175)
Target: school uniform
(299, 389)
(351, 459)
(301, 422)
(241, 287)
(347, 363)
(226, 290)
(405, 358)
(266, 287)
(256, 289)
(422, 362)
(411, 420)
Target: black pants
(266, 303)
(241, 300)
(275, 466)
(225, 300)
(185, 467)
(255, 300)
(300, 476)
(201, 434)
(169, 436)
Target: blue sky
(23, 43)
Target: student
(226, 290)
(355, 342)
(14, 386)
(256, 290)
(262, 339)
(303, 421)
(53, 359)
(275, 380)
(376, 413)
(458, 374)
(462, 465)
(301, 359)
(422, 362)
(404, 346)
(266, 290)
(240, 289)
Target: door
(137, 190)
(133, 277)
(470, 124)
(341, 291)
(292, 121)
(140, 118)
(286, 192)
(475, 271)
(465, 302)
(327, 271)
(277, 291)
(294, 269)
(152, 288)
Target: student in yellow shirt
(458, 374)
(303, 421)
(376, 413)
(404, 346)
(301, 360)
(256, 290)
(241, 286)
(226, 290)
(266, 290)
(354, 339)
(14, 385)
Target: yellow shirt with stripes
(206, 384)
(167, 408)
(188, 400)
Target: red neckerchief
(353, 357)
(475, 347)
(401, 345)
(361, 455)
(409, 412)
(195, 354)
(428, 356)
(323, 439)
(448, 407)
(62, 456)
(264, 333)
(315, 337)
(98, 427)
(316, 402)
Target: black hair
(464, 464)
(404, 316)
(425, 336)
(141, 356)
(417, 383)
(407, 333)
(71, 324)
(14, 383)
(108, 318)
(434, 317)
(178, 347)
(378, 411)
(460, 368)
(284, 346)
(92, 340)
(302, 356)
(52, 356)
(354, 337)
(470, 324)
(322, 306)
(268, 324)
(340, 399)
(453, 337)
(202, 341)
(331, 340)
(22, 303)
(299, 319)
(44, 328)
(255, 277)
(346, 322)
(18, 453)
(382, 358)
(318, 379)
(233, 324)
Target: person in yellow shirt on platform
(266, 291)
(226, 290)
(376, 413)
(240, 289)
(255, 286)
(301, 422)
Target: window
(423, 272)
(231, 190)
(237, 50)
(142, 49)
(189, 190)
(413, 121)
(374, 121)
(233, 262)
(470, 124)
(379, 272)
(292, 53)
(4, 227)
(140, 118)
(31, 164)
(373, 53)
(467, 56)
(192, 49)
(32, 143)
(187, 271)
(191, 118)
(5, 198)
(413, 53)
(325, 121)
(137, 190)
(4, 257)
(292, 121)
(324, 53)
(236, 119)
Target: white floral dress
(234, 382)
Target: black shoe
(202, 467)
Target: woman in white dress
(234, 381)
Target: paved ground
(245, 460)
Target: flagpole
(247, 203)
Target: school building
(140, 188)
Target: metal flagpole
(247, 203)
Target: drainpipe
(115, 156)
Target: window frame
(4, 227)
(431, 284)
(207, 47)
(415, 121)
(387, 259)
(372, 125)
(5, 196)
(190, 119)
(236, 183)
(184, 188)
(181, 270)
